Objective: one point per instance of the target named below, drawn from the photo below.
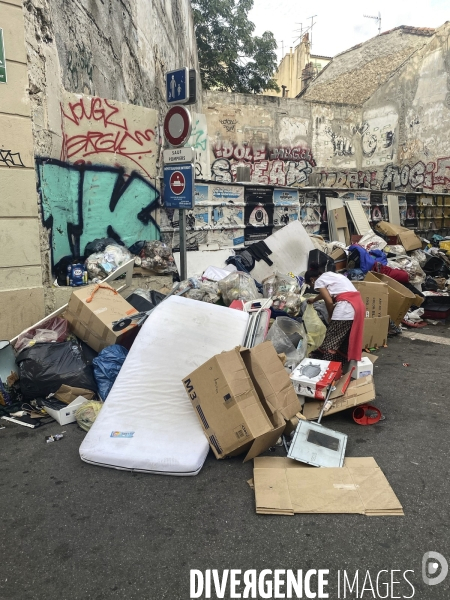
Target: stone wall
(21, 290)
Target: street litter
(55, 437)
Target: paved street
(72, 531)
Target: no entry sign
(177, 183)
(177, 126)
(179, 186)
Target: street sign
(177, 86)
(3, 78)
(177, 183)
(179, 186)
(179, 155)
(177, 126)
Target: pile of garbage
(104, 256)
(229, 348)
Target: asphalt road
(72, 531)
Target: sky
(340, 24)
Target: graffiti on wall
(418, 175)
(199, 141)
(10, 159)
(283, 166)
(82, 202)
(99, 131)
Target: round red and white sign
(177, 183)
(177, 125)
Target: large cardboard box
(359, 391)
(400, 298)
(374, 296)
(406, 237)
(243, 399)
(92, 321)
(340, 259)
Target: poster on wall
(201, 194)
(283, 215)
(411, 218)
(227, 193)
(285, 196)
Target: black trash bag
(107, 366)
(430, 285)
(323, 260)
(44, 367)
(98, 245)
(156, 297)
(433, 266)
(137, 247)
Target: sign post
(3, 77)
(179, 173)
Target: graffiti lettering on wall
(95, 129)
(80, 67)
(229, 124)
(419, 175)
(345, 145)
(199, 141)
(10, 159)
(81, 203)
(284, 166)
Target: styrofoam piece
(358, 216)
(290, 249)
(148, 423)
(199, 260)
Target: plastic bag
(372, 241)
(288, 337)
(411, 266)
(98, 245)
(238, 286)
(290, 303)
(421, 257)
(396, 249)
(43, 368)
(279, 284)
(315, 329)
(157, 257)
(102, 264)
(107, 366)
(87, 413)
(53, 330)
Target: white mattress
(148, 397)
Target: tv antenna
(311, 29)
(377, 19)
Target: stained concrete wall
(21, 290)
(97, 99)
(392, 134)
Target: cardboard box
(375, 332)
(286, 487)
(406, 237)
(374, 296)
(400, 298)
(66, 415)
(243, 399)
(312, 377)
(340, 259)
(359, 391)
(92, 321)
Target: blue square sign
(177, 86)
(179, 186)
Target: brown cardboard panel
(400, 298)
(375, 333)
(285, 487)
(360, 391)
(374, 296)
(406, 237)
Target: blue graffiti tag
(81, 203)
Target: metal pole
(183, 255)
